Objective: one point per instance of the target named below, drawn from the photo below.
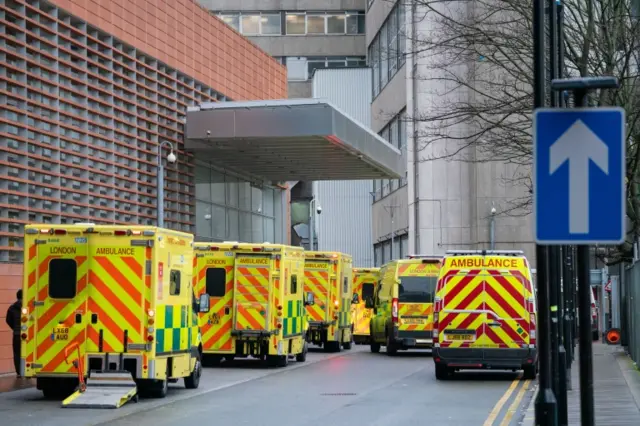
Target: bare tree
(476, 70)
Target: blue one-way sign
(579, 175)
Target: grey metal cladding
(291, 139)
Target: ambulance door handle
(78, 318)
(94, 318)
(227, 310)
(495, 324)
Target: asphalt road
(351, 388)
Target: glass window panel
(203, 183)
(256, 199)
(315, 24)
(295, 24)
(384, 57)
(257, 229)
(250, 24)
(203, 225)
(352, 23)
(392, 42)
(377, 254)
(217, 187)
(395, 253)
(386, 251)
(374, 61)
(336, 24)
(245, 227)
(232, 190)
(268, 202)
(402, 35)
(244, 190)
(269, 230)
(362, 29)
(218, 222)
(270, 24)
(233, 226)
(232, 20)
(402, 140)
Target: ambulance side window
(216, 282)
(294, 284)
(63, 278)
(174, 283)
(345, 285)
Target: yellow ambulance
(113, 304)
(256, 300)
(364, 282)
(485, 313)
(403, 304)
(328, 277)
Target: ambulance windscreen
(417, 289)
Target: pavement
(10, 382)
(616, 383)
(353, 387)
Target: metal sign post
(566, 143)
(546, 410)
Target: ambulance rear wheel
(392, 349)
(193, 380)
(332, 346)
(302, 356)
(159, 389)
(529, 372)
(442, 372)
(375, 347)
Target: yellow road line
(514, 405)
(498, 407)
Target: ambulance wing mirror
(309, 299)
(203, 303)
(368, 303)
(355, 299)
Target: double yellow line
(513, 408)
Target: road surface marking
(514, 405)
(498, 407)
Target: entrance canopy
(293, 139)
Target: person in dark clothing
(13, 321)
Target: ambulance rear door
(57, 291)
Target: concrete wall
(10, 282)
(453, 198)
(312, 45)
(300, 89)
(376, 16)
(390, 101)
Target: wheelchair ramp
(105, 389)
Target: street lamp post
(171, 158)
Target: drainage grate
(339, 394)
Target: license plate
(60, 333)
(458, 337)
(413, 321)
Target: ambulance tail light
(120, 232)
(214, 248)
(258, 249)
(394, 310)
(54, 231)
(150, 338)
(436, 317)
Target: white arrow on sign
(578, 145)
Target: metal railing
(630, 310)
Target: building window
(395, 132)
(250, 25)
(389, 44)
(333, 23)
(270, 24)
(316, 24)
(296, 24)
(253, 24)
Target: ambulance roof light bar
(425, 256)
(485, 252)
